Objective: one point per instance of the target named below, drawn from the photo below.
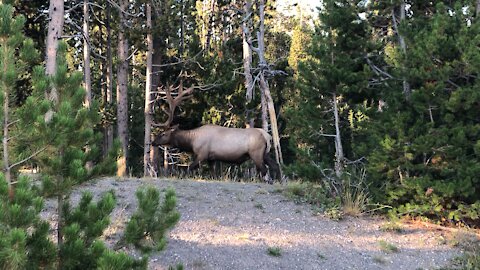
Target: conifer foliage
(148, 225)
(332, 79)
(427, 161)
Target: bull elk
(217, 143)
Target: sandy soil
(228, 225)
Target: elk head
(173, 100)
(165, 137)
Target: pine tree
(152, 219)
(24, 242)
(332, 78)
(427, 158)
(16, 53)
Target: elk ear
(173, 128)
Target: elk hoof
(268, 179)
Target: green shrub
(274, 251)
(148, 225)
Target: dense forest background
(378, 98)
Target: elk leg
(196, 162)
(194, 165)
(262, 169)
(214, 169)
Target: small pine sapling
(148, 225)
(24, 237)
(83, 225)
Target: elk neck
(183, 139)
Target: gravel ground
(227, 225)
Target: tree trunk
(148, 87)
(247, 50)
(182, 30)
(339, 156)
(86, 56)
(403, 46)
(55, 29)
(122, 88)
(264, 109)
(108, 137)
(6, 164)
(263, 65)
(155, 81)
(477, 9)
(210, 26)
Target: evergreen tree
(148, 225)
(333, 75)
(427, 158)
(24, 237)
(16, 53)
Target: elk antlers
(173, 100)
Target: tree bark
(86, 56)
(122, 89)
(108, 138)
(210, 26)
(477, 9)
(339, 156)
(55, 29)
(402, 44)
(148, 96)
(263, 65)
(247, 50)
(6, 164)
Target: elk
(217, 143)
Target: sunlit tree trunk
(263, 66)
(339, 155)
(86, 56)
(148, 87)
(122, 88)
(55, 30)
(247, 50)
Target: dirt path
(231, 226)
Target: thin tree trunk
(87, 74)
(148, 87)
(263, 107)
(6, 164)
(403, 46)
(60, 224)
(122, 88)
(264, 84)
(182, 30)
(86, 56)
(247, 50)
(109, 81)
(210, 26)
(477, 9)
(155, 81)
(339, 156)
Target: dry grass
(354, 202)
(387, 247)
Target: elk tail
(268, 139)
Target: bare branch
(113, 3)
(28, 158)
